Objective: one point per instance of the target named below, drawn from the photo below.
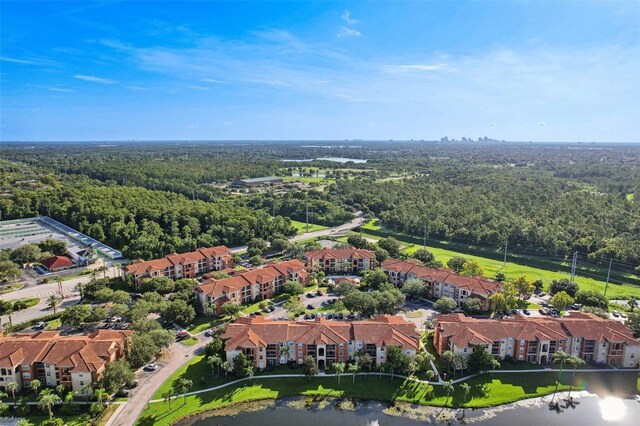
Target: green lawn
(196, 370)
(301, 227)
(485, 391)
(12, 287)
(630, 197)
(309, 179)
(54, 324)
(189, 342)
(514, 268)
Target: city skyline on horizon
(314, 71)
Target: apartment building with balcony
(267, 342)
(535, 340)
(73, 361)
(337, 261)
(441, 282)
(184, 265)
(248, 286)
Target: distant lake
(589, 409)
(335, 159)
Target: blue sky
(541, 71)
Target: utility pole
(608, 275)
(307, 217)
(424, 242)
(573, 266)
(504, 262)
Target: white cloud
(346, 17)
(195, 87)
(417, 67)
(94, 79)
(348, 32)
(58, 89)
(492, 124)
(542, 123)
(16, 61)
(211, 80)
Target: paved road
(149, 382)
(334, 231)
(43, 291)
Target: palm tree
(80, 290)
(423, 360)
(214, 361)
(448, 388)
(466, 388)
(59, 281)
(167, 396)
(182, 385)
(284, 353)
(353, 368)
(575, 362)
(225, 367)
(430, 374)
(53, 302)
(12, 387)
(448, 357)
(339, 369)
(46, 402)
(101, 395)
(7, 308)
(35, 384)
(87, 391)
(24, 422)
(559, 357)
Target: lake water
(588, 409)
(335, 159)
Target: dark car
(310, 306)
(122, 393)
(526, 312)
(311, 295)
(307, 316)
(542, 311)
(330, 316)
(131, 385)
(340, 315)
(319, 293)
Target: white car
(151, 367)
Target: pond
(343, 160)
(587, 409)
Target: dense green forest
(150, 198)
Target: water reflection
(612, 409)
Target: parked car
(151, 367)
(341, 316)
(526, 312)
(122, 393)
(208, 333)
(131, 385)
(307, 316)
(311, 295)
(40, 325)
(310, 306)
(330, 316)
(616, 314)
(623, 315)
(319, 293)
(542, 311)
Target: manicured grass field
(189, 342)
(485, 391)
(196, 370)
(54, 324)
(552, 271)
(301, 227)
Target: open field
(485, 391)
(302, 227)
(517, 265)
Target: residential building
(248, 286)
(73, 361)
(333, 261)
(441, 282)
(185, 265)
(58, 263)
(327, 341)
(536, 339)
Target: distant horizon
(342, 141)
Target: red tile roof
(478, 286)
(217, 287)
(56, 262)
(141, 267)
(80, 353)
(465, 331)
(330, 253)
(381, 330)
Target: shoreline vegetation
(485, 391)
